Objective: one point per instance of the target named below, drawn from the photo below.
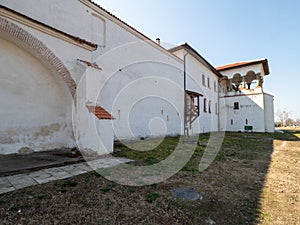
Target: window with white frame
(203, 79)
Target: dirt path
(280, 203)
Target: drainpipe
(186, 133)
(219, 84)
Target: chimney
(158, 41)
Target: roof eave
(93, 5)
(21, 18)
(191, 50)
(264, 63)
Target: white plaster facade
(249, 107)
(92, 58)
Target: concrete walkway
(18, 181)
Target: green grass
(105, 189)
(148, 157)
(235, 145)
(151, 197)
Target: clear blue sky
(227, 31)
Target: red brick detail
(100, 113)
(93, 65)
(41, 51)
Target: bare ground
(254, 180)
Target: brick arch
(20, 36)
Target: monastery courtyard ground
(255, 179)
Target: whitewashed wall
(35, 104)
(255, 105)
(120, 51)
(206, 122)
(143, 88)
(251, 108)
(269, 113)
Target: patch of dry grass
(254, 179)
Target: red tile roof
(100, 113)
(247, 63)
(93, 65)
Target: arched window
(236, 105)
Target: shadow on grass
(232, 185)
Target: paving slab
(74, 170)
(42, 177)
(5, 190)
(58, 173)
(4, 183)
(21, 181)
(15, 182)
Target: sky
(227, 31)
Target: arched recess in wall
(25, 40)
(36, 92)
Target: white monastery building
(74, 75)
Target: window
(216, 108)
(231, 122)
(246, 121)
(208, 83)
(209, 108)
(203, 79)
(215, 86)
(236, 105)
(204, 105)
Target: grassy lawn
(254, 179)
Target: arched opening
(236, 80)
(250, 78)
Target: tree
(283, 117)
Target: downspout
(186, 133)
(219, 85)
